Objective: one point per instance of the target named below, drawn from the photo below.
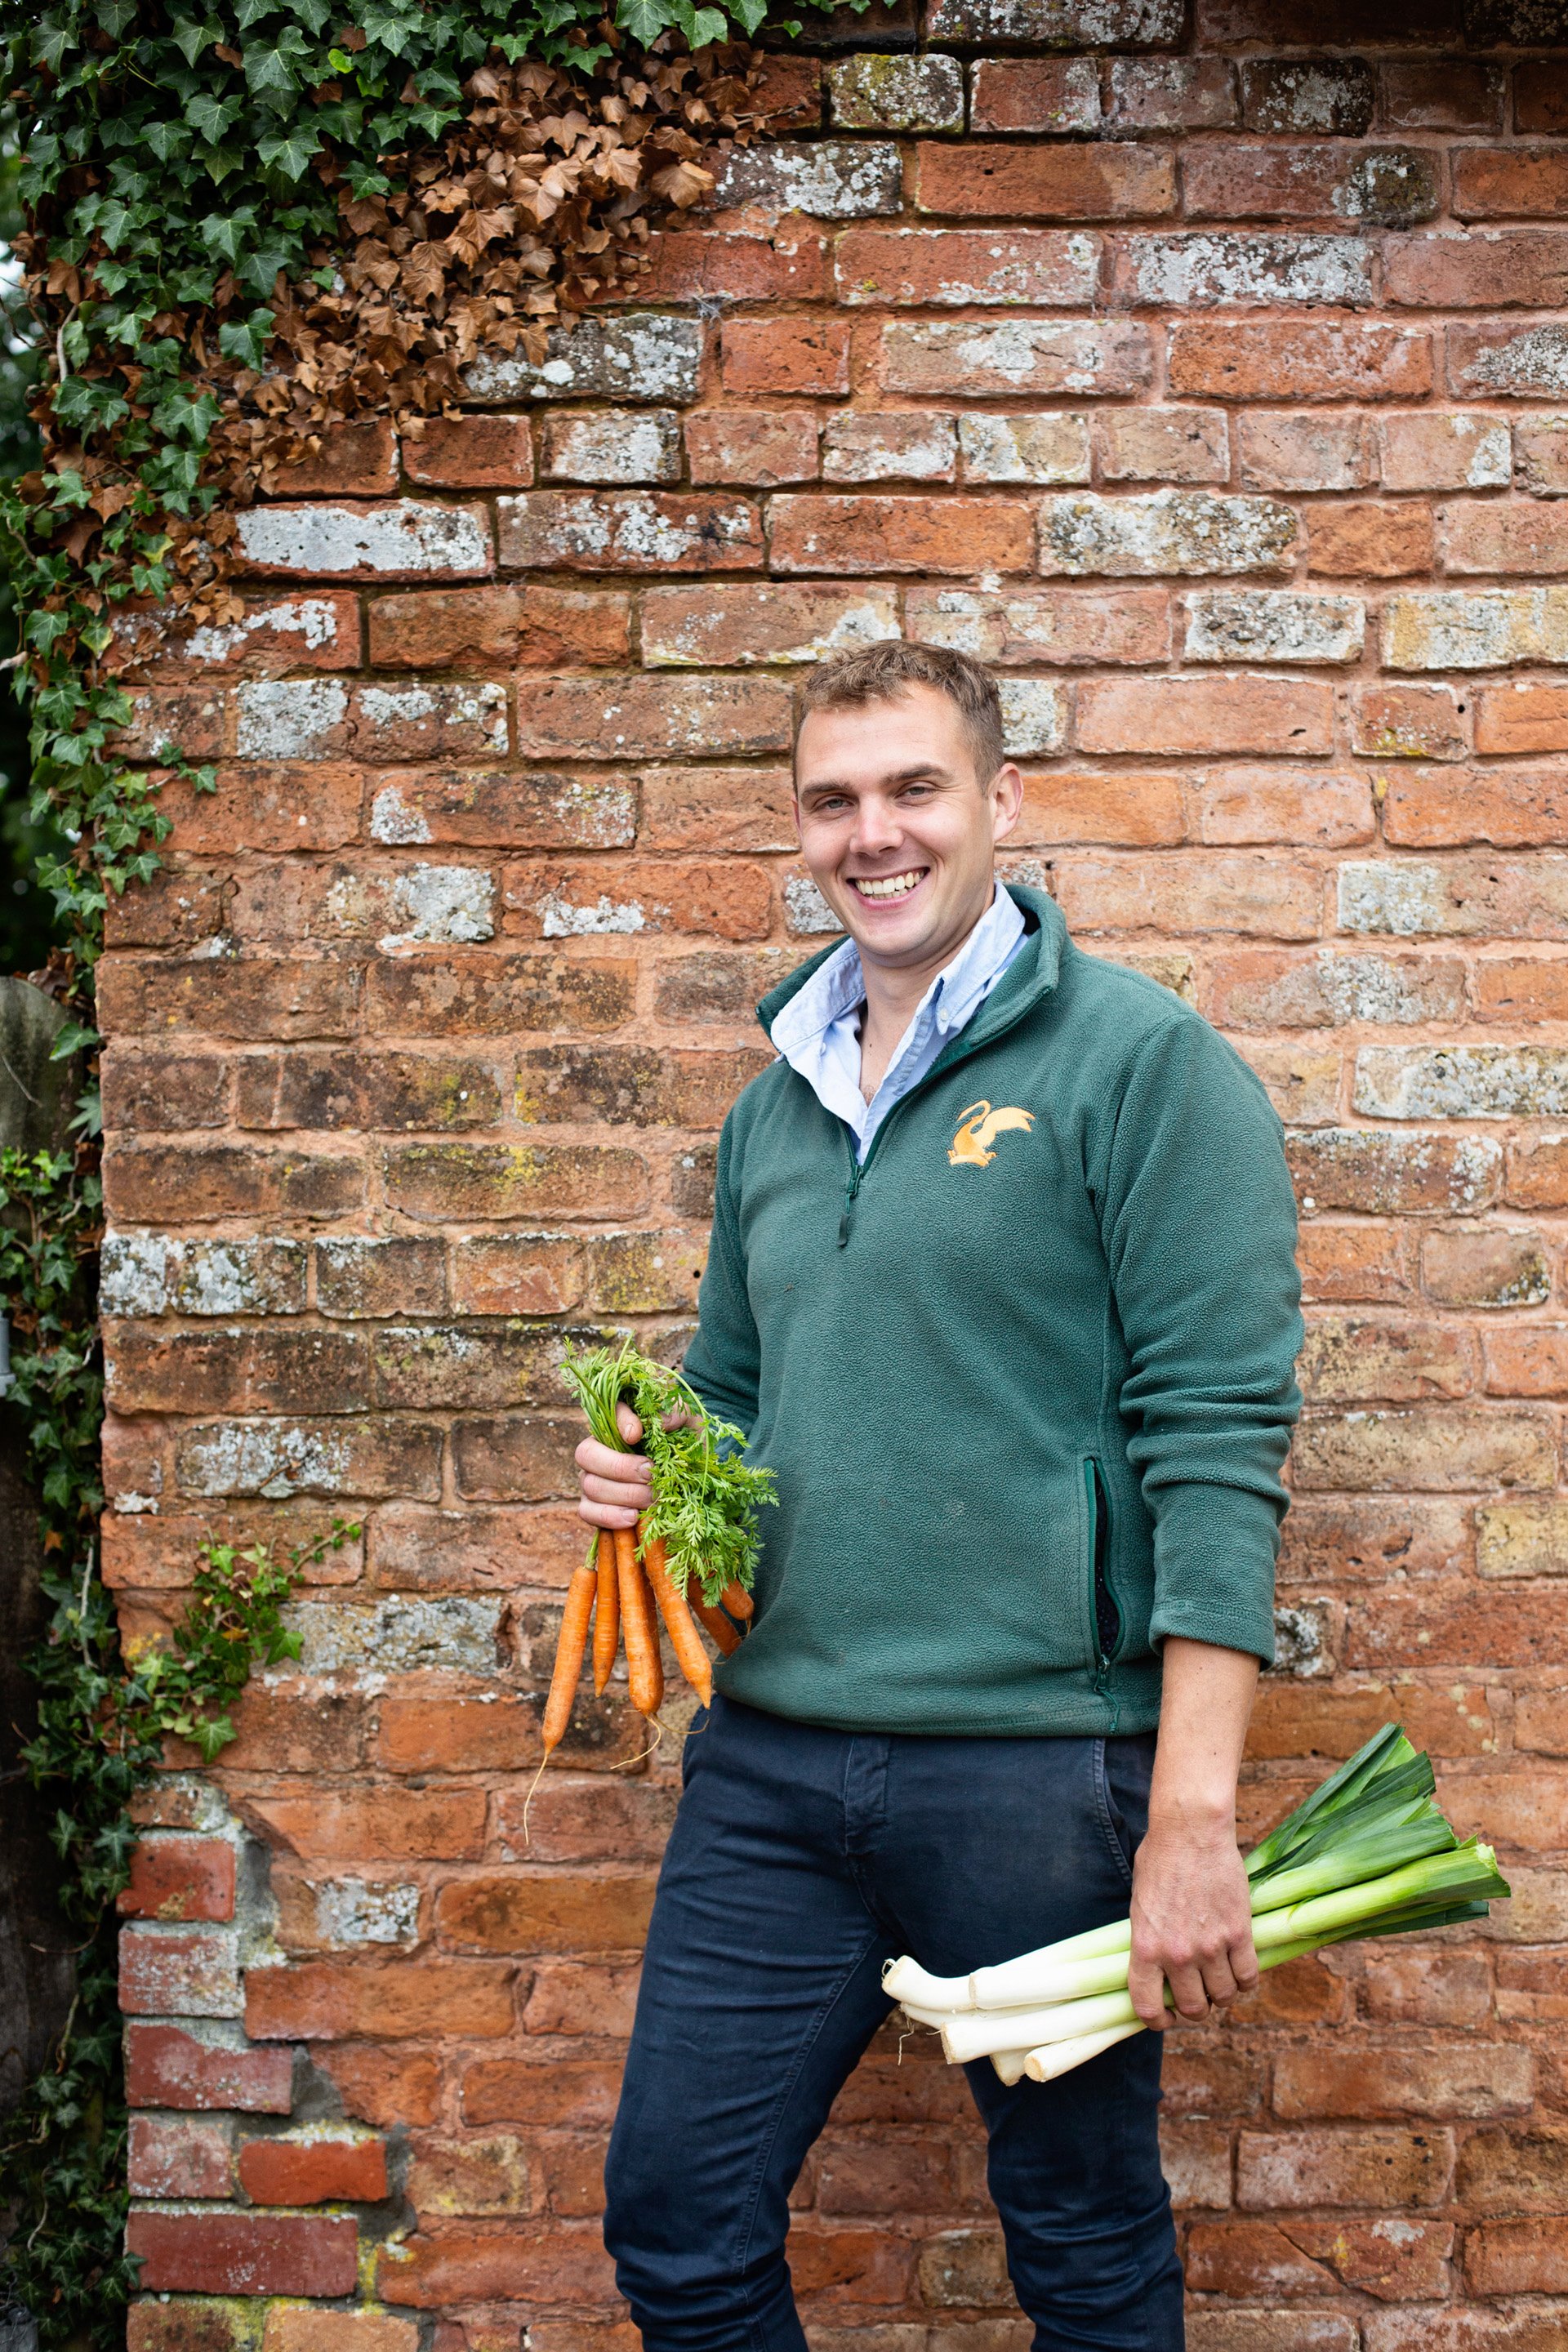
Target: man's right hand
(617, 1487)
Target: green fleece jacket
(1024, 1377)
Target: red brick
(382, 2086)
(351, 461)
(180, 1878)
(1045, 94)
(1473, 2080)
(268, 804)
(1301, 1719)
(1444, 94)
(764, 446)
(1132, 810)
(1242, 2259)
(167, 2067)
(389, 2000)
(1486, 271)
(536, 1914)
(950, 535)
(1509, 183)
(1411, 1987)
(1227, 892)
(309, 2172)
(944, 267)
(1305, 359)
(799, 356)
(561, 2267)
(688, 265)
(1342, 1263)
(1366, 2167)
(643, 717)
(166, 2158)
(1183, 717)
(1494, 804)
(1412, 722)
(538, 627)
(301, 2328)
(244, 2253)
(319, 631)
(164, 1975)
(628, 531)
(379, 1825)
(1102, 182)
(471, 453)
(1376, 539)
(541, 2093)
(1540, 94)
(1518, 2258)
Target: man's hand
(1192, 1919)
(1191, 1922)
(616, 1486)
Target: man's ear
(1006, 800)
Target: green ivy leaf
(289, 152)
(645, 20)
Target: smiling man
(1002, 1287)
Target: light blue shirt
(818, 1032)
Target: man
(1002, 1287)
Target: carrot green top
(1024, 1376)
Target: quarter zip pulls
(817, 1030)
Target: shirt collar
(837, 985)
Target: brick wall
(1217, 390)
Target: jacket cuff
(1215, 1549)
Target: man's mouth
(888, 886)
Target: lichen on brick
(1164, 531)
(289, 718)
(454, 903)
(1059, 24)
(1214, 266)
(356, 1911)
(404, 1634)
(1462, 1081)
(645, 355)
(876, 92)
(831, 179)
(340, 542)
(1034, 717)
(1270, 624)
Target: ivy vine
(242, 224)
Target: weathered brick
(1474, 2080)
(1162, 94)
(170, 2158)
(748, 626)
(1237, 179)
(1355, 1263)
(1039, 268)
(244, 2253)
(1434, 1450)
(319, 631)
(1349, 1358)
(1164, 531)
(883, 93)
(1273, 625)
(1244, 804)
(1051, 95)
(644, 355)
(1106, 181)
(1500, 359)
(1186, 715)
(555, 1913)
(1315, 94)
(1478, 628)
(487, 2176)
(1512, 809)
(380, 2000)
(180, 1878)
(164, 1974)
(610, 445)
(470, 453)
(1366, 2167)
(1300, 360)
(1059, 24)
(1270, 989)
(977, 359)
(629, 531)
(1162, 445)
(1449, 94)
(379, 1457)
(1461, 1081)
(1526, 537)
(536, 627)
(462, 1181)
(1238, 271)
(1517, 2258)
(1409, 722)
(303, 2328)
(1528, 1538)
(1379, 541)
(166, 2066)
(762, 447)
(749, 261)
(309, 2172)
(731, 899)
(1044, 626)
(829, 179)
(638, 717)
(898, 534)
(406, 541)
(734, 809)
(1225, 892)
(1281, 452)
(863, 444)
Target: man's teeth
(889, 886)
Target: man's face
(896, 828)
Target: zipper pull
(850, 1190)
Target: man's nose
(875, 828)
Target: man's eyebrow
(923, 771)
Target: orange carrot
(690, 1655)
(645, 1667)
(607, 1615)
(719, 1625)
(569, 1652)
(737, 1600)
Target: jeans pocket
(1118, 1836)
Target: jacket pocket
(1104, 1617)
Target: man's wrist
(1209, 1815)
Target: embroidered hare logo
(978, 1129)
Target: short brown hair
(882, 672)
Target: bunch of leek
(1368, 1853)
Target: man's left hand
(1191, 1922)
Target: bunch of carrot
(702, 1532)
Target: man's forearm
(1191, 1917)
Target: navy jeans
(801, 1861)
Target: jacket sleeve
(722, 1363)
(1199, 1224)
